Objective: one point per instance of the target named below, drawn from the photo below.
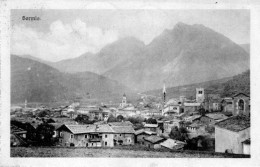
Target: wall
(109, 138)
(128, 139)
(225, 139)
(246, 110)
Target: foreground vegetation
(127, 152)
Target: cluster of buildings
(224, 122)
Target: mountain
(37, 82)
(246, 47)
(184, 55)
(226, 87)
(108, 57)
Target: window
(200, 92)
(105, 143)
(241, 104)
(105, 136)
(60, 134)
(71, 136)
(86, 136)
(120, 135)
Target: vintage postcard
(115, 80)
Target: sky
(65, 34)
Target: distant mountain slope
(109, 57)
(38, 82)
(246, 47)
(184, 55)
(226, 87)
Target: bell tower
(200, 95)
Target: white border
(6, 6)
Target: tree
(50, 121)
(83, 119)
(178, 133)
(120, 118)
(151, 121)
(42, 113)
(202, 111)
(44, 133)
(111, 118)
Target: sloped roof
(236, 123)
(17, 130)
(140, 131)
(240, 94)
(171, 143)
(151, 125)
(123, 129)
(126, 123)
(216, 116)
(79, 129)
(153, 139)
(56, 125)
(247, 141)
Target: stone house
(232, 134)
(123, 135)
(141, 134)
(173, 144)
(18, 136)
(151, 127)
(86, 135)
(227, 104)
(153, 141)
(241, 104)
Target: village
(205, 123)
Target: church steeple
(164, 93)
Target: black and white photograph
(130, 83)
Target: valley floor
(111, 152)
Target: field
(111, 152)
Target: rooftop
(171, 143)
(236, 123)
(17, 130)
(151, 125)
(153, 139)
(126, 123)
(123, 129)
(216, 116)
(140, 131)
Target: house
(151, 127)
(123, 135)
(18, 136)
(232, 134)
(141, 134)
(84, 109)
(128, 111)
(191, 107)
(172, 109)
(191, 118)
(153, 141)
(227, 104)
(86, 135)
(56, 126)
(211, 118)
(241, 104)
(173, 144)
(103, 135)
(167, 125)
(214, 105)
